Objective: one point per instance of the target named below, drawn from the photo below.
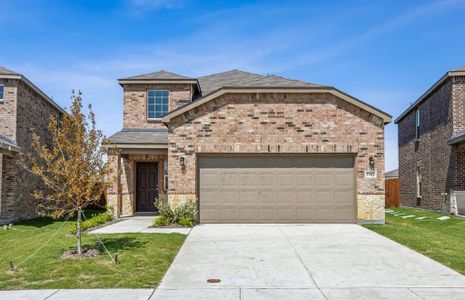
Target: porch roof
(8, 144)
(457, 137)
(140, 138)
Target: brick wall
(431, 153)
(135, 103)
(32, 113)
(8, 108)
(287, 123)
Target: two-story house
(432, 148)
(250, 148)
(24, 108)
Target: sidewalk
(140, 224)
(79, 294)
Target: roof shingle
(160, 75)
(140, 136)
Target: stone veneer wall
(124, 174)
(287, 123)
(31, 112)
(135, 103)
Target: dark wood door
(392, 188)
(147, 186)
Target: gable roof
(237, 81)
(9, 74)
(237, 78)
(5, 71)
(457, 72)
(159, 75)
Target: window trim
(2, 99)
(418, 180)
(147, 104)
(165, 175)
(417, 124)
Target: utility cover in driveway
(276, 189)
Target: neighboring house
(432, 146)
(251, 148)
(394, 174)
(23, 108)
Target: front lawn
(143, 258)
(443, 241)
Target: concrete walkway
(286, 262)
(137, 225)
(79, 294)
(303, 262)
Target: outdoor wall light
(181, 161)
(371, 162)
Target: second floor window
(157, 103)
(2, 90)
(417, 124)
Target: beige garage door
(276, 189)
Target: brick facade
(285, 123)
(442, 114)
(24, 111)
(135, 103)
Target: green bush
(186, 209)
(160, 221)
(186, 221)
(164, 209)
(94, 221)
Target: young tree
(71, 166)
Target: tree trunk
(78, 232)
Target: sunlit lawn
(143, 258)
(443, 241)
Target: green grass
(143, 258)
(443, 241)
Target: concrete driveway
(303, 262)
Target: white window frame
(2, 98)
(165, 175)
(418, 182)
(417, 124)
(168, 104)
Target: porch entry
(147, 186)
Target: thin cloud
(157, 4)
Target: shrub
(94, 221)
(163, 207)
(186, 209)
(160, 221)
(186, 221)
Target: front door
(147, 186)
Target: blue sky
(384, 52)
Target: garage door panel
(323, 179)
(285, 215)
(305, 178)
(343, 197)
(304, 199)
(343, 179)
(282, 194)
(285, 178)
(228, 215)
